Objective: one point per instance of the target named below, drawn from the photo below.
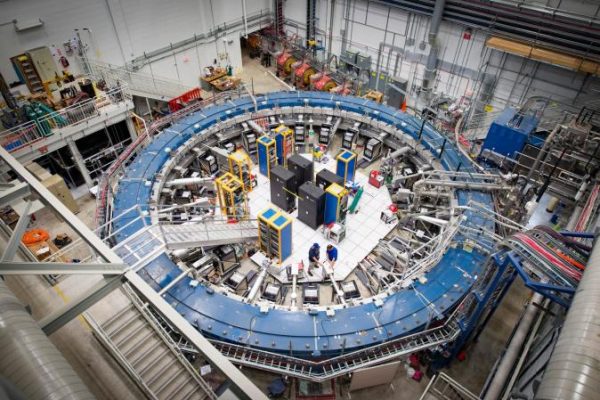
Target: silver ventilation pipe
(573, 371)
(432, 59)
(29, 361)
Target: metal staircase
(149, 355)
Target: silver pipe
(188, 181)
(432, 58)
(574, 368)
(513, 351)
(29, 360)
(461, 185)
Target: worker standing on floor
(313, 258)
(332, 254)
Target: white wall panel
(460, 59)
(60, 18)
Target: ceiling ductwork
(555, 31)
(544, 55)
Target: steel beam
(48, 198)
(15, 238)
(14, 193)
(48, 268)
(241, 385)
(63, 315)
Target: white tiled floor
(363, 229)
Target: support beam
(15, 238)
(241, 385)
(63, 315)
(45, 268)
(14, 193)
(78, 158)
(48, 198)
(131, 129)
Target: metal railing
(137, 81)
(52, 123)
(442, 387)
(108, 179)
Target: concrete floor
(106, 380)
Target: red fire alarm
(467, 34)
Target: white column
(80, 163)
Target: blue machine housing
(265, 145)
(300, 333)
(509, 133)
(346, 165)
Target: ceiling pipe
(432, 58)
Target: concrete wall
(462, 61)
(124, 29)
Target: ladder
(278, 6)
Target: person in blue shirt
(313, 258)
(332, 254)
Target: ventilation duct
(29, 361)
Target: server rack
(325, 178)
(264, 218)
(302, 167)
(249, 139)
(283, 188)
(325, 131)
(267, 157)
(240, 166)
(300, 131)
(336, 204)
(284, 139)
(373, 149)
(209, 164)
(346, 165)
(275, 234)
(350, 136)
(311, 205)
(232, 199)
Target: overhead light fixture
(26, 25)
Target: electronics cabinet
(275, 234)
(240, 166)
(346, 165)
(325, 178)
(267, 156)
(232, 198)
(336, 204)
(311, 205)
(302, 167)
(300, 131)
(209, 165)
(284, 139)
(283, 188)
(249, 141)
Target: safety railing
(53, 122)
(346, 363)
(442, 387)
(137, 81)
(107, 181)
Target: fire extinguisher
(64, 62)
